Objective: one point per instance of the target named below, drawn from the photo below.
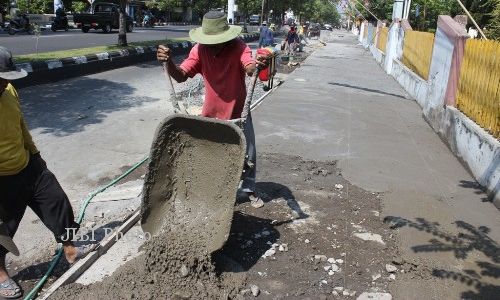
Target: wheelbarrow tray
(192, 179)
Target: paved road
(75, 38)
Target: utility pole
(262, 12)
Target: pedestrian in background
(25, 181)
(263, 33)
(291, 39)
(269, 38)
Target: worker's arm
(164, 55)
(261, 61)
(28, 140)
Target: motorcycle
(19, 25)
(149, 22)
(60, 21)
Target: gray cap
(6, 241)
(8, 68)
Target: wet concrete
(193, 175)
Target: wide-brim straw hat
(7, 68)
(214, 30)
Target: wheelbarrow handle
(248, 100)
(172, 94)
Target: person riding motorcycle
(60, 21)
(148, 20)
(20, 23)
(23, 21)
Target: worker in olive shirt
(26, 181)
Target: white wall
(479, 151)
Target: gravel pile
(194, 91)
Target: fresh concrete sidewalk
(341, 106)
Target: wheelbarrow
(193, 176)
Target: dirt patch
(303, 243)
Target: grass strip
(91, 50)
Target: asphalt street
(51, 41)
(24, 43)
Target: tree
(36, 6)
(320, 11)
(493, 28)
(122, 31)
(78, 6)
(424, 13)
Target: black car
(103, 16)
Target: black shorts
(35, 186)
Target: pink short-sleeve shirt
(224, 77)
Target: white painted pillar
(230, 10)
(362, 32)
(391, 48)
(397, 9)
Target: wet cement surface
(193, 175)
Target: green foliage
(78, 6)
(164, 4)
(320, 11)
(429, 10)
(36, 6)
(493, 28)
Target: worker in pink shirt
(223, 60)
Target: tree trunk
(122, 31)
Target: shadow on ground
(269, 191)
(467, 243)
(251, 236)
(375, 91)
(66, 107)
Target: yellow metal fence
(479, 84)
(382, 38)
(417, 52)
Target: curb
(40, 72)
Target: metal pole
(262, 12)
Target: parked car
(103, 16)
(328, 27)
(254, 20)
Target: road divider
(46, 71)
